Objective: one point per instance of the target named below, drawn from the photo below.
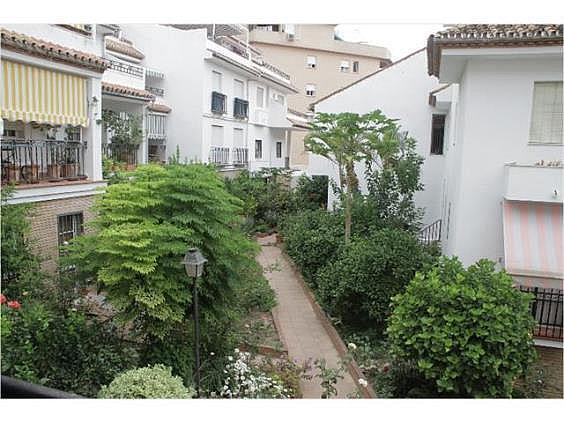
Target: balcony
(240, 108)
(541, 182)
(546, 308)
(34, 161)
(218, 101)
(219, 156)
(126, 68)
(159, 92)
(123, 153)
(240, 156)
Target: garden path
(301, 329)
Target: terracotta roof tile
(124, 47)
(489, 35)
(124, 91)
(22, 43)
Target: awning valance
(532, 233)
(34, 94)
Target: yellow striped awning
(34, 94)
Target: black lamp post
(194, 265)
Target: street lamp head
(194, 263)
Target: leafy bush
(147, 382)
(143, 229)
(20, 267)
(468, 330)
(312, 238)
(357, 285)
(311, 192)
(61, 350)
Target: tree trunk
(348, 201)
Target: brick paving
(301, 330)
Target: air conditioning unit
(291, 37)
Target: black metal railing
(155, 90)
(431, 233)
(218, 102)
(219, 155)
(546, 308)
(240, 108)
(125, 153)
(16, 388)
(240, 156)
(127, 68)
(33, 161)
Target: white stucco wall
(401, 92)
(179, 55)
(493, 123)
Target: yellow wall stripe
(34, 94)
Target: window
(216, 136)
(69, 226)
(239, 89)
(258, 149)
(344, 66)
(13, 129)
(437, 134)
(238, 137)
(260, 97)
(310, 90)
(216, 81)
(218, 102)
(73, 133)
(278, 149)
(546, 119)
(311, 62)
(279, 98)
(355, 66)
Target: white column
(93, 133)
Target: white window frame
(262, 103)
(236, 82)
(311, 62)
(542, 117)
(310, 92)
(76, 222)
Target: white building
(229, 107)
(489, 124)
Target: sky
(400, 39)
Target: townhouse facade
(484, 103)
(318, 62)
(229, 106)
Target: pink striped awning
(532, 237)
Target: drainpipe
(248, 127)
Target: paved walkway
(301, 329)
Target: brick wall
(44, 230)
(551, 361)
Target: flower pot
(54, 171)
(10, 173)
(68, 170)
(30, 173)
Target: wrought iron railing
(33, 161)
(546, 308)
(125, 153)
(218, 102)
(240, 156)
(431, 233)
(240, 108)
(127, 68)
(155, 90)
(219, 155)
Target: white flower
(236, 350)
(363, 382)
(230, 358)
(352, 346)
(212, 353)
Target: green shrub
(468, 330)
(357, 285)
(62, 350)
(311, 192)
(312, 238)
(147, 382)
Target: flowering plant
(245, 380)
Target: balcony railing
(124, 153)
(219, 155)
(33, 161)
(546, 308)
(133, 70)
(431, 233)
(157, 91)
(218, 102)
(240, 156)
(240, 108)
